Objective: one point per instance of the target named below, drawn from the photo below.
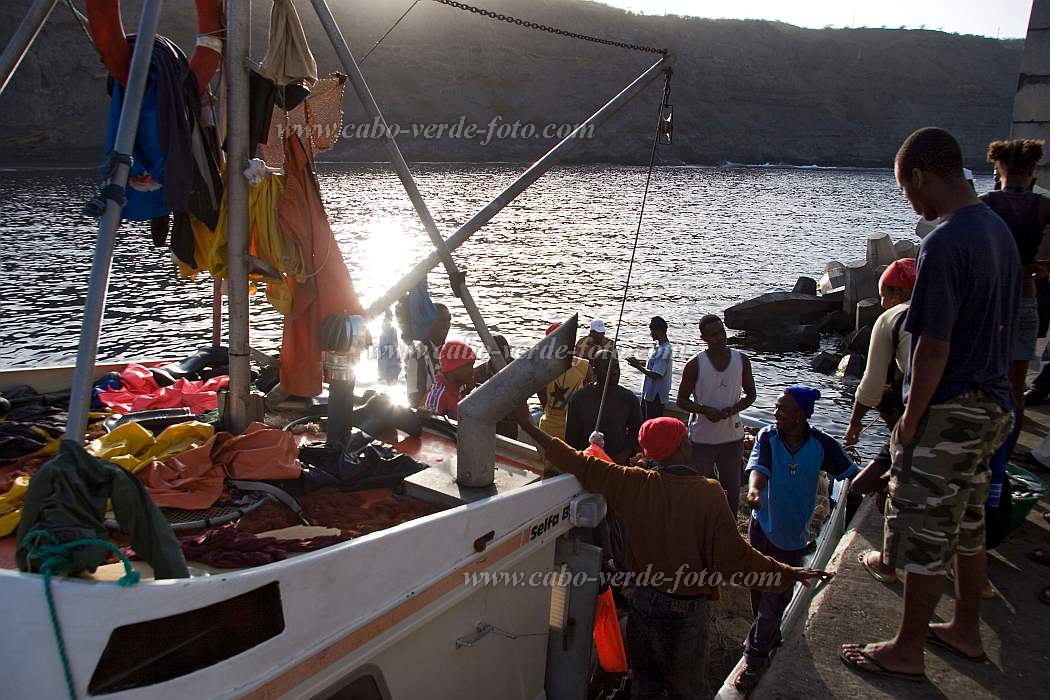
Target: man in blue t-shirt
(784, 470)
(958, 406)
(656, 386)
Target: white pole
(238, 38)
(98, 286)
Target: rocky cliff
(743, 91)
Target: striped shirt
(443, 398)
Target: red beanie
(455, 354)
(900, 273)
(660, 437)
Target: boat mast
(102, 260)
(24, 36)
(238, 42)
(364, 94)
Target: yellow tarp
(132, 447)
(11, 505)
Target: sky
(994, 18)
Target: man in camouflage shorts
(958, 408)
(939, 483)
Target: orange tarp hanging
(326, 287)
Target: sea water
(709, 238)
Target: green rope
(43, 546)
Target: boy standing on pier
(957, 411)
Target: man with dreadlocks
(1027, 214)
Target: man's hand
(753, 498)
(807, 576)
(712, 414)
(726, 412)
(853, 431)
(635, 362)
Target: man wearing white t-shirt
(717, 385)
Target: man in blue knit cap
(784, 470)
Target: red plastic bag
(607, 638)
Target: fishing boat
(396, 613)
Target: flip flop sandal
(1040, 556)
(875, 573)
(933, 639)
(879, 669)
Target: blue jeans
(667, 645)
(767, 607)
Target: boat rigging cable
(521, 23)
(663, 128)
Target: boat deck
(855, 608)
(434, 485)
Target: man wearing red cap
(882, 386)
(457, 371)
(684, 543)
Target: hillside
(744, 91)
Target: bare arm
(685, 389)
(756, 482)
(927, 367)
(748, 385)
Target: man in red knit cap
(684, 545)
(457, 371)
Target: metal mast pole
(535, 172)
(98, 286)
(238, 38)
(357, 80)
(24, 36)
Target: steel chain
(544, 28)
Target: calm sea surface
(711, 237)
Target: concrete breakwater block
(773, 311)
(834, 277)
(867, 311)
(905, 249)
(880, 250)
(862, 282)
